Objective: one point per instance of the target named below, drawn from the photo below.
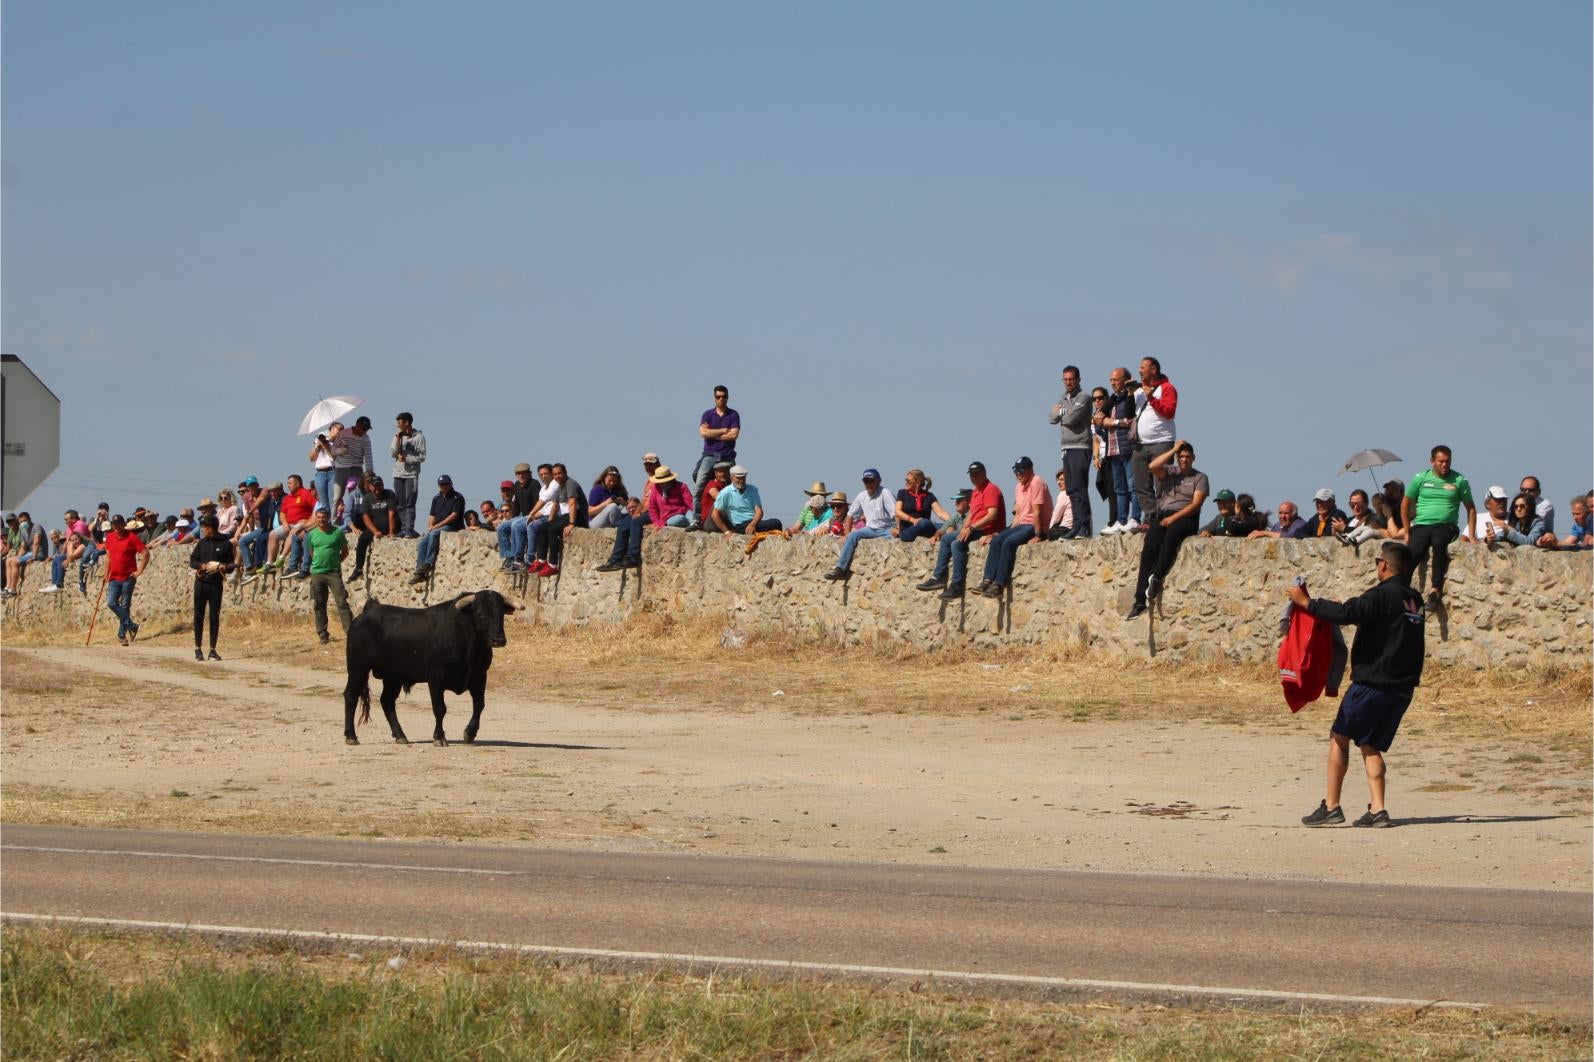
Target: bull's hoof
(351, 741)
(441, 743)
(401, 740)
(470, 739)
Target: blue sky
(550, 230)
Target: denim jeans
(918, 529)
(1128, 506)
(426, 548)
(119, 599)
(298, 553)
(611, 516)
(844, 562)
(627, 541)
(252, 548)
(1004, 551)
(747, 527)
(679, 520)
(957, 554)
(405, 489)
(537, 538)
(700, 477)
(512, 538)
(58, 570)
(322, 481)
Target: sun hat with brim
(206, 503)
(838, 498)
(817, 487)
(662, 475)
(134, 525)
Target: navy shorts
(1370, 716)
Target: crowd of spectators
(1119, 439)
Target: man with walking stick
(126, 559)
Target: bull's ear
(464, 603)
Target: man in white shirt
(1494, 515)
(873, 515)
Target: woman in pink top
(669, 502)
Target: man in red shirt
(987, 516)
(125, 564)
(298, 506)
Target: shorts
(1370, 716)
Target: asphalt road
(1205, 939)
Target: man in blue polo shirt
(738, 510)
(719, 428)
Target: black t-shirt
(443, 505)
(917, 506)
(525, 498)
(378, 507)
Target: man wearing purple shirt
(719, 428)
(1288, 523)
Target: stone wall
(1506, 607)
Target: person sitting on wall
(814, 519)
(987, 515)
(1321, 524)
(1061, 527)
(917, 507)
(872, 515)
(1363, 524)
(1032, 511)
(669, 502)
(719, 479)
(1581, 535)
(1180, 491)
(1289, 521)
(738, 508)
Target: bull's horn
(465, 602)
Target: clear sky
(549, 230)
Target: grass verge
(79, 995)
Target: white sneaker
(1112, 529)
(50, 589)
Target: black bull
(447, 646)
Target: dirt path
(151, 738)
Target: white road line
(262, 859)
(785, 965)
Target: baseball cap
(737, 470)
(976, 466)
(507, 484)
(650, 457)
(1497, 493)
(251, 481)
(363, 422)
(963, 495)
(870, 473)
(1224, 495)
(1023, 464)
(1323, 495)
(445, 479)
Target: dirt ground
(624, 738)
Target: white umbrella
(1369, 459)
(326, 411)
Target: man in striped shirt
(351, 458)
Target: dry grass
(91, 994)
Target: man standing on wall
(123, 567)
(409, 453)
(1073, 414)
(1155, 402)
(351, 459)
(719, 428)
(1385, 668)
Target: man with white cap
(873, 515)
(738, 509)
(1321, 525)
(1494, 516)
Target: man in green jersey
(328, 546)
(1429, 514)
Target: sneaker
(1344, 539)
(1379, 821)
(1153, 587)
(983, 590)
(838, 575)
(1139, 529)
(933, 583)
(635, 564)
(517, 568)
(199, 654)
(418, 577)
(953, 592)
(608, 566)
(132, 633)
(121, 639)
(1136, 612)
(550, 569)
(1325, 816)
(50, 589)
(213, 655)
(1111, 529)
(6, 593)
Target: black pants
(1436, 537)
(1161, 550)
(362, 546)
(1076, 464)
(207, 595)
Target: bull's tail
(365, 703)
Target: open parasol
(326, 411)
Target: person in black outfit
(1385, 668)
(212, 558)
(378, 518)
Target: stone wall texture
(1506, 607)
